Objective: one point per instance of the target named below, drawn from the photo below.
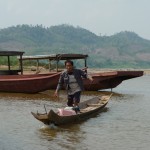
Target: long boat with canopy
(14, 80)
(102, 80)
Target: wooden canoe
(32, 83)
(87, 109)
(109, 80)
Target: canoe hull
(28, 83)
(73, 119)
(86, 112)
(41, 82)
(109, 80)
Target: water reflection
(23, 96)
(65, 137)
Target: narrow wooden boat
(15, 81)
(109, 80)
(101, 80)
(87, 109)
(28, 83)
(33, 83)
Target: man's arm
(85, 75)
(59, 85)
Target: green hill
(122, 50)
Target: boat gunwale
(29, 77)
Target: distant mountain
(122, 50)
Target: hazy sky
(105, 17)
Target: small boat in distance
(87, 109)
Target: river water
(124, 125)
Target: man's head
(69, 65)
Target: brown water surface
(124, 125)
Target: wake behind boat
(87, 109)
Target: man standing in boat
(72, 79)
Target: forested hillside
(122, 50)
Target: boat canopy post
(37, 65)
(8, 63)
(20, 64)
(85, 62)
(57, 61)
(49, 65)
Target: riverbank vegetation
(121, 50)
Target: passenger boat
(15, 81)
(87, 109)
(34, 83)
(101, 80)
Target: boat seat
(87, 109)
(43, 117)
(94, 105)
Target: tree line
(125, 49)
